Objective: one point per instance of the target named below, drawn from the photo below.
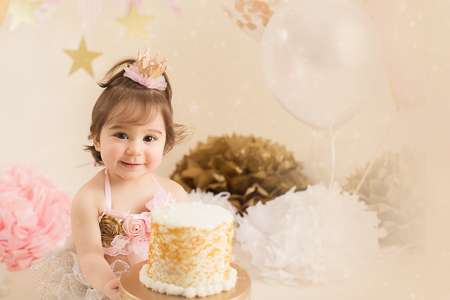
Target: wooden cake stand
(132, 289)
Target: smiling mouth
(130, 165)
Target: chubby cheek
(154, 159)
(112, 153)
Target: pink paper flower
(34, 217)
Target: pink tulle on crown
(148, 71)
(34, 217)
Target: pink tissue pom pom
(34, 217)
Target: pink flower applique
(137, 234)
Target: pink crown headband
(148, 71)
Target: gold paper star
(82, 58)
(135, 23)
(3, 9)
(23, 12)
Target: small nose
(133, 148)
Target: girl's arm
(87, 240)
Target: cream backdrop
(215, 70)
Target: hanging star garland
(23, 12)
(82, 58)
(3, 10)
(135, 24)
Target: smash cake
(190, 250)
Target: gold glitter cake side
(188, 256)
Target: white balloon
(320, 60)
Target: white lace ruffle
(59, 277)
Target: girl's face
(130, 151)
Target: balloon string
(381, 141)
(372, 161)
(367, 171)
(332, 134)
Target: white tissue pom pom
(316, 235)
(220, 199)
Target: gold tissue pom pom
(251, 169)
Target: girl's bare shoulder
(91, 194)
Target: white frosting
(191, 214)
(190, 292)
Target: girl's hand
(111, 289)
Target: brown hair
(137, 102)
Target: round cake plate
(132, 289)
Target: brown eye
(121, 135)
(149, 138)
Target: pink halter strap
(108, 197)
